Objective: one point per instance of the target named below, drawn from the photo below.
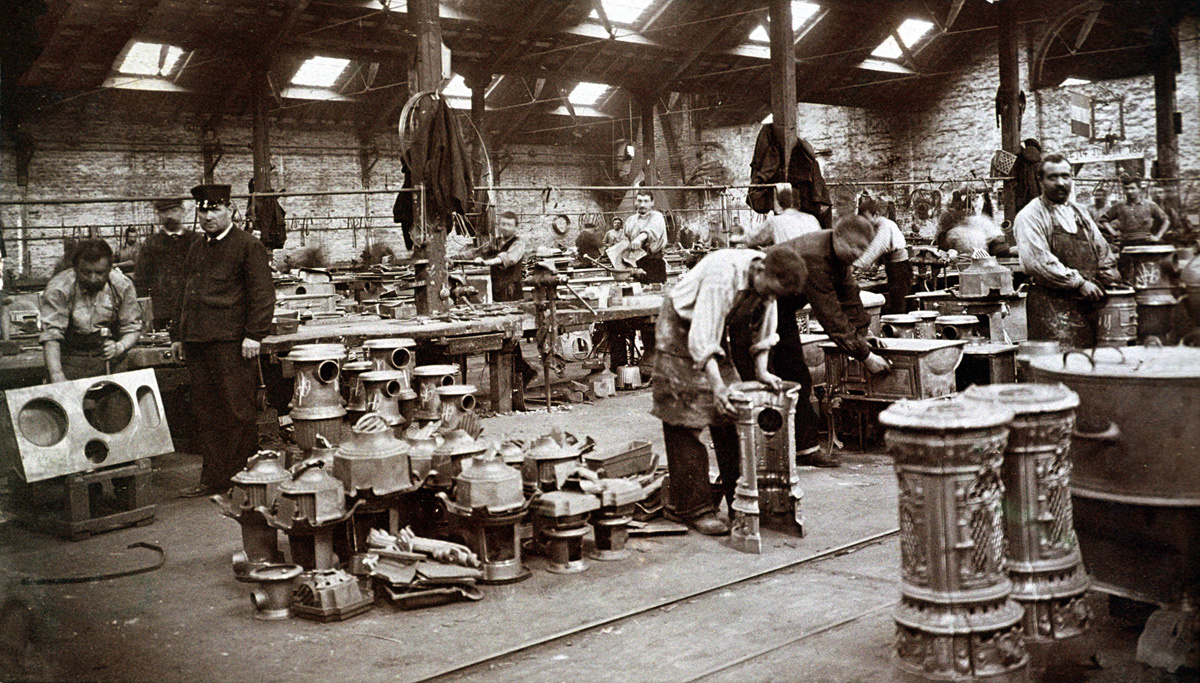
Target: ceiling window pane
(802, 12)
(150, 59)
(587, 94)
(320, 72)
(911, 32)
(623, 11)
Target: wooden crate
(921, 368)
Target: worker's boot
(709, 525)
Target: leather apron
(507, 281)
(1062, 315)
(682, 394)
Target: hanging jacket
(440, 159)
(810, 193)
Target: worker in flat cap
(161, 261)
(90, 316)
(228, 300)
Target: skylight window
(802, 12)
(911, 32)
(1074, 81)
(623, 11)
(150, 59)
(320, 72)
(587, 94)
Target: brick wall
(93, 148)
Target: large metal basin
(1137, 434)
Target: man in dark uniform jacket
(228, 300)
(161, 261)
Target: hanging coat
(440, 159)
(803, 172)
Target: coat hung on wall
(803, 172)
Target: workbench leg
(500, 377)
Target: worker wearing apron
(1067, 259)
(90, 316)
(715, 326)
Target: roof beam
(952, 15)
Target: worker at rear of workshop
(589, 246)
(646, 233)
(786, 222)
(1137, 220)
(1068, 261)
(1180, 232)
(161, 261)
(615, 233)
(504, 253)
(834, 296)
(716, 325)
(890, 249)
(127, 253)
(90, 316)
(228, 300)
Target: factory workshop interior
(835, 341)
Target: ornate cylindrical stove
(1118, 320)
(898, 325)
(383, 389)
(456, 448)
(1155, 320)
(255, 487)
(457, 403)
(273, 595)
(548, 464)
(1029, 350)
(769, 482)
(610, 524)
(487, 508)
(956, 619)
(925, 326)
(398, 354)
(373, 464)
(560, 523)
(427, 379)
(1043, 556)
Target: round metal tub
(1137, 436)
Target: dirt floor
(682, 608)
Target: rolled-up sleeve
(1033, 247)
(55, 310)
(129, 313)
(514, 254)
(768, 334)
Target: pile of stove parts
(413, 572)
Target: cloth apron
(82, 354)
(506, 281)
(1062, 315)
(683, 395)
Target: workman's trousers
(691, 494)
(223, 401)
(80, 366)
(787, 361)
(899, 284)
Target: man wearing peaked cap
(228, 299)
(161, 261)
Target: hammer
(106, 334)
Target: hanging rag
(439, 159)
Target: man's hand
(112, 349)
(877, 364)
(250, 349)
(721, 398)
(773, 381)
(479, 261)
(177, 351)
(1090, 291)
